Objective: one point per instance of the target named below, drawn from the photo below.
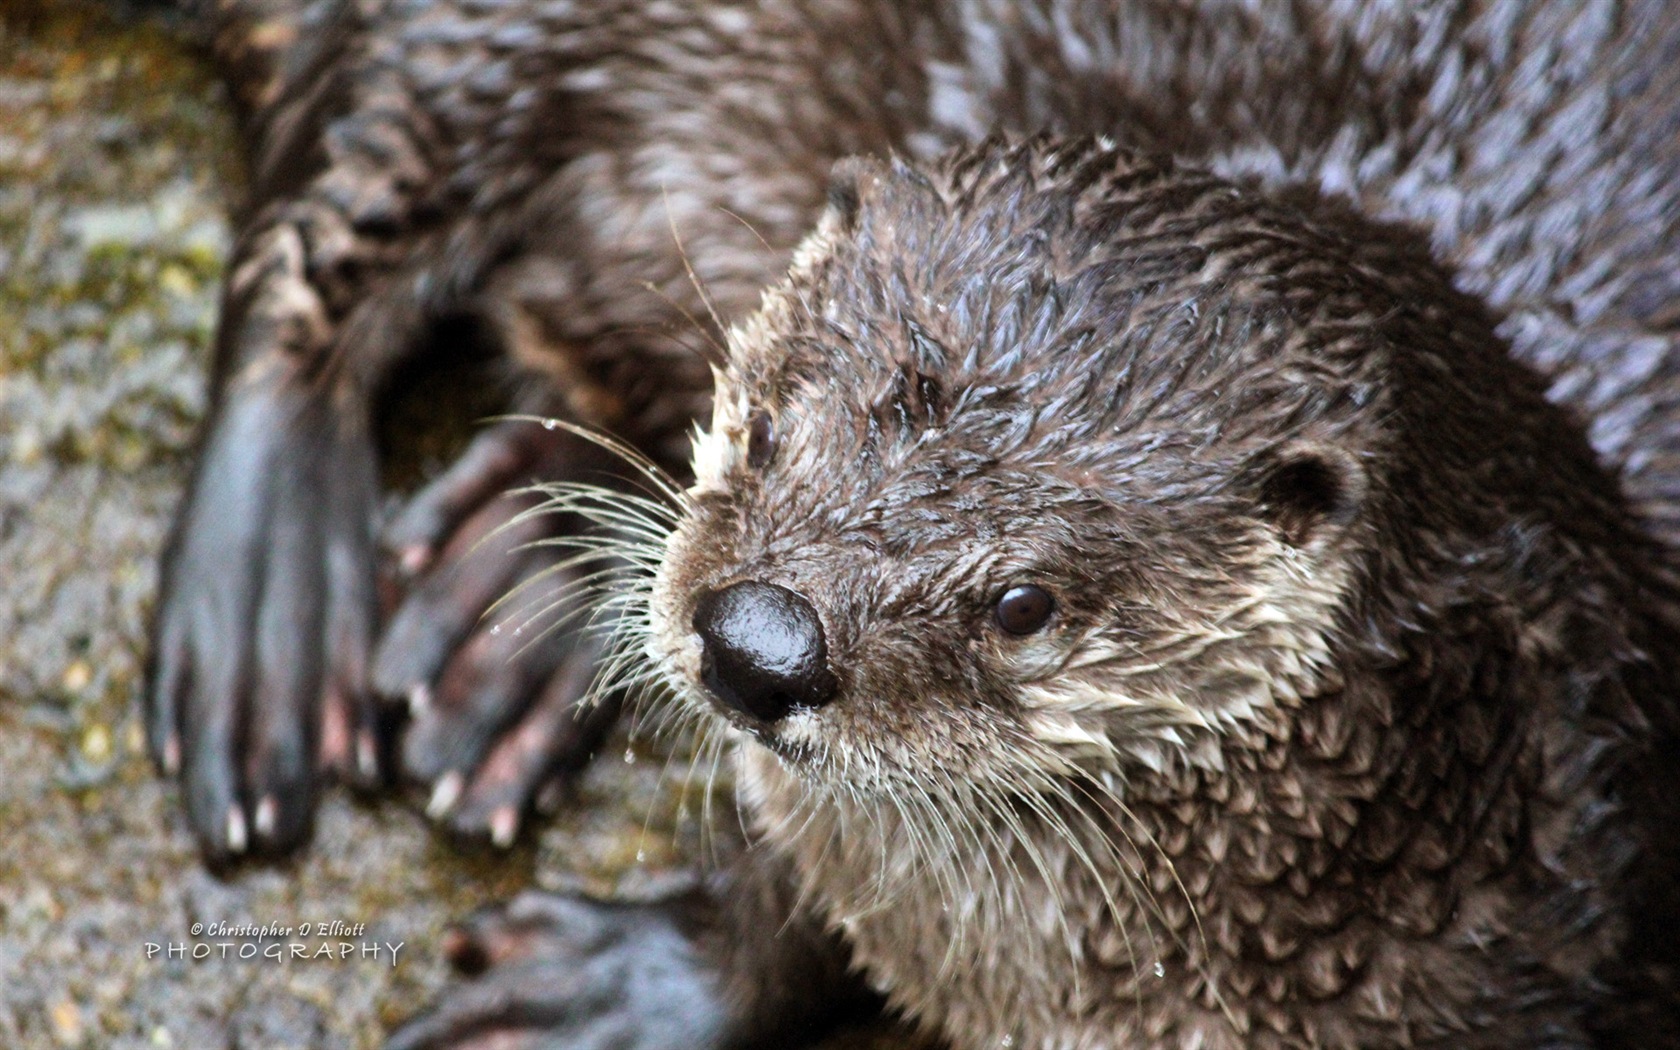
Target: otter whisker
(597, 502)
(676, 725)
(804, 299)
(978, 834)
(1136, 889)
(568, 598)
(688, 266)
(585, 585)
(641, 462)
(1141, 893)
(1111, 794)
(719, 352)
(1009, 839)
(648, 504)
(659, 788)
(720, 746)
(628, 539)
(810, 807)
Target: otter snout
(763, 650)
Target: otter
(1116, 655)
(1192, 571)
(1148, 671)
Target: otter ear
(1307, 490)
(843, 199)
(847, 181)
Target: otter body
(1217, 601)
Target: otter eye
(1024, 609)
(761, 440)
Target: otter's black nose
(764, 650)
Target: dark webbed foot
(494, 676)
(261, 640)
(557, 971)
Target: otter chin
(1156, 613)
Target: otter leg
(352, 248)
(730, 965)
(265, 620)
(484, 644)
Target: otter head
(1049, 459)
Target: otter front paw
(485, 645)
(556, 971)
(261, 639)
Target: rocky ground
(117, 166)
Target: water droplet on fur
(496, 628)
(641, 855)
(629, 756)
(521, 627)
(1008, 1040)
(551, 424)
(1160, 971)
